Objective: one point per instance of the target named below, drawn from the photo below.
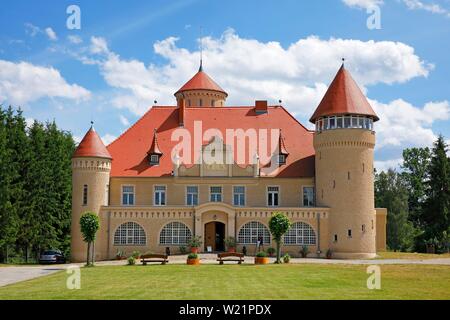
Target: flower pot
(193, 262)
(232, 249)
(194, 250)
(261, 260)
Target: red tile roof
(343, 97)
(129, 151)
(91, 146)
(201, 81)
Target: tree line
(418, 200)
(35, 186)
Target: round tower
(91, 166)
(202, 91)
(344, 142)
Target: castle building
(202, 168)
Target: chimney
(261, 106)
(181, 111)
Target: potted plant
(195, 243)
(182, 249)
(120, 255)
(304, 251)
(261, 258)
(286, 258)
(329, 254)
(230, 243)
(193, 259)
(131, 261)
(271, 251)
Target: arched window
(175, 233)
(251, 231)
(130, 233)
(300, 233)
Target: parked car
(52, 256)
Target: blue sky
(128, 54)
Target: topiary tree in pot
(279, 224)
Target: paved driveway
(10, 275)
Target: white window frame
(157, 159)
(221, 193)
(175, 234)
(252, 236)
(303, 193)
(305, 235)
(186, 193)
(133, 234)
(160, 192)
(267, 196)
(244, 194)
(122, 193)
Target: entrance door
(215, 236)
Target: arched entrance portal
(215, 236)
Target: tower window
(334, 184)
(364, 169)
(349, 233)
(372, 224)
(213, 103)
(200, 102)
(85, 195)
(335, 238)
(348, 175)
(189, 102)
(322, 193)
(363, 228)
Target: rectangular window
(239, 196)
(360, 122)
(347, 122)
(332, 123)
(281, 159)
(272, 196)
(85, 195)
(200, 102)
(213, 103)
(154, 159)
(159, 198)
(128, 195)
(308, 196)
(339, 122)
(107, 195)
(215, 194)
(192, 195)
(349, 233)
(335, 238)
(354, 122)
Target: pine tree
(437, 209)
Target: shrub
(131, 261)
(182, 249)
(304, 251)
(286, 258)
(261, 254)
(192, 256)
(136, 254)
(271, 251)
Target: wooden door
(210, 235)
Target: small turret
(91, 166)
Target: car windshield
(49, 253)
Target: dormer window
(154, 154)
(154, 159)
(281, 159)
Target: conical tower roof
(91, 146)
(201, 81)
(343, 97)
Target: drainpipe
(108, 235)
(318, 234)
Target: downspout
(108, 235)
(318, 234)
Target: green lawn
(410, 255)
(239, 282)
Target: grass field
(239, 282)
(410, 255)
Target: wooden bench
(147, 258)
(230, 256)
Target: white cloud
(98, 45)
(108, 138)
(31, 29)
(51, 34)
(74, 39)
(363, 4)
(23, 82)
(249, 69)
(388, 164)
(430, 7)
(124, 121)
(402, 124)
